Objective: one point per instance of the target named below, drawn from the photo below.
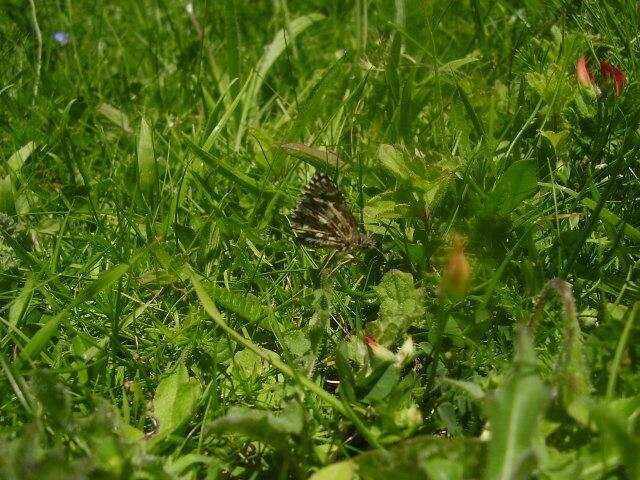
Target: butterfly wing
(322, 218)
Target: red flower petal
(611, 72)
(370, 341)
(583, 75)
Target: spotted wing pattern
(322, 218)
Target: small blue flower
(61, 37)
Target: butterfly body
(323, 220)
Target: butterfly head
(364, 242)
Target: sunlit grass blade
(233, 174)
(332, 401)
(270, 55)
(147, 167)
(115, 116)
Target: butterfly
(323, 219)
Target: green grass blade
(271, 54)
(235, 176)
(46, 332)
(224, 119)
(147, 167)
(232, 36)
(623, 342)
(332, 401)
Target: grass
(159, 319)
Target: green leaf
(345, 372)
(115, 116)
(338, 471)
(618, 430)
(393, 161)
(382, 208)
(181, 465)
(444, 469)
(430, 178)
(623, 342)
(473, 390)
(297, 342)
(262, 425)
(471, 112)
(626, 408)
(400, 307)
(518, 183)
(102, 282)
(277, 46)
(16, 161)
(147, 167)
(41, 338)
(320, 159)
(515, 412)
(8, 194)
(245, 305)
(247, 365)
(515, 416)
(556, 139)
(176, 399)
(453, 66)
(384, 386)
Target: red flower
(370, 341)
(584, 76)
(610, 72)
